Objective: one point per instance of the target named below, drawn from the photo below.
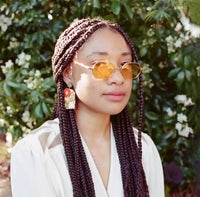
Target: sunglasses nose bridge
(117, 73)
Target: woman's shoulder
(41, 138)
(149, 149)
(152, 165)
(146, 139)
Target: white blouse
(39, 167)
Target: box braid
(129, 150)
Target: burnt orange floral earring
(69, 97)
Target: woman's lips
(115, 95)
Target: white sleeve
(152, 167)
(28, 175)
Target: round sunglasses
(104, 70)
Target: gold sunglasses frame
(92, 68)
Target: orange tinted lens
(103, 70)
(131, 70)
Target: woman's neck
(93, 125)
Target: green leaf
(13, 84)
(188, 75)
(173, 72)
(35, 96)
(45, 108)
(115, 7)
(143, 51)
(23, 21)
(50, 100)
(161, 15)
(7, 89)
(180, 77)
(128, 10)
(38, 111)
(52, 37)
(186, 62)
(28, 41)
(96, 4)
(150, 15)
(24, 72)
(151, 116)
(40, 38)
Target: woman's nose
(116, 77)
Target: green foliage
(192, 8)
(169, 57)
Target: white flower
(198, 71)
(37, 73)
(20, 59)
(50, 17)
(4, 69)
(13, 43)
(170, 112)
(26, 65)
(148, 83)
(9, 64)
(31, 83)
(23, 60)
(149, 8)
(150, 32)
(178, 126)
(178, 43)
(74, 22)
(178, 27)
(29, 124)
(9, 110)
(8, 138)
(4, 23)
(188, 102)
(185, 131)
(169, 38)
(26, 116)
(170, 49)
(31, 73)
(27, 57)
(180, 99)
(181, 118)
(4, 27)
(146, 69)
(25, 131)
(2, 122)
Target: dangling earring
(69, 97)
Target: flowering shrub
(168, 53)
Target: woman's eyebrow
(125, 54)
(105, 53)
(97, 53)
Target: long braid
(139, 154)
(129, 151)
(64, 126)
(78, 166)
(82, 165)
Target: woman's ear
(67, 75)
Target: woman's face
(106, 96)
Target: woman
(90, 148)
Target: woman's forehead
(104, 42)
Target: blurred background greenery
(169, 52)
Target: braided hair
(128, 148)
